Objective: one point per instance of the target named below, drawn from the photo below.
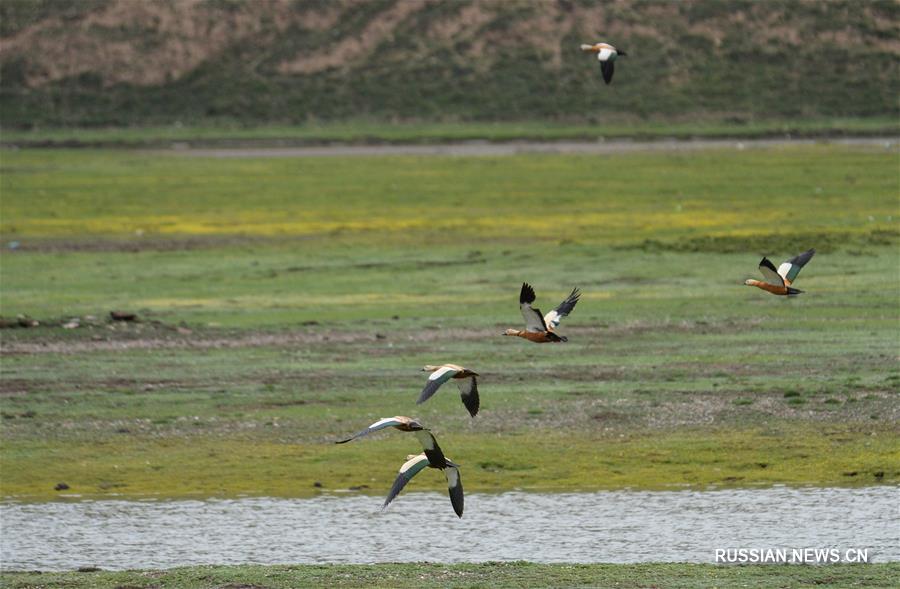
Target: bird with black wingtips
(542, 328)
(465, 379)
(778, 281)
(606, 55)
(415, 464)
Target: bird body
(468, 385)
(778, 280)
(606, 55)
(400, 422)
(542, 328)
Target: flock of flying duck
(539, 328)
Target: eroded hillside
(99, 62)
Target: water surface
(615, 527)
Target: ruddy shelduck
(542, 328)
(607, 55)
(778, 281)
(415, 464)
(400, 422)
(468, 385)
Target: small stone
(61, 486)
(317, 485)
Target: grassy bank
(473, 575)
(284, 303)
(362, 132)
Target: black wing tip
(526, 295)
(802, 259)
(606, 68)
(768, 264)
(457, 498)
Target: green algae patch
(489, 574)
(537, 460)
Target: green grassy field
(285, 303)
(473, 575)
(381, 132)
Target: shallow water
(616, 527)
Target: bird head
(510, 332)
(429, 368)
(590, 48)
(749, 282)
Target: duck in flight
(607, 55)
(465, 379)
(401, 422)
(415, 464)
(778, 280)
(542, 328)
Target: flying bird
(415, 464)
(607, 55)
(468, 386)
(401, 422)
(541, 329)
(778, 281)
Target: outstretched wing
(790, 269)
(534, 321)
(468, 391)
(432, 451)
(769, 272)
(435, 380)
(410, 468)
(553, 318)
(607, 69)
(454, 485)
(380, 424)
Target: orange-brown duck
(468, 385)
(433, 458)
(542, 328)
(778, 280)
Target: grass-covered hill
(115, 62)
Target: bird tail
(793, 291)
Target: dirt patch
(481, 148)
(141, 244)
(156, 335)
(772, 243)
(352, 48)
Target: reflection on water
(622, 526)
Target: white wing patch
(415, 460)
(383, 423)
(427, 440)
(533, 320)
(452, 476)
(552, 319)
(443, 374)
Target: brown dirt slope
(434, 59)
